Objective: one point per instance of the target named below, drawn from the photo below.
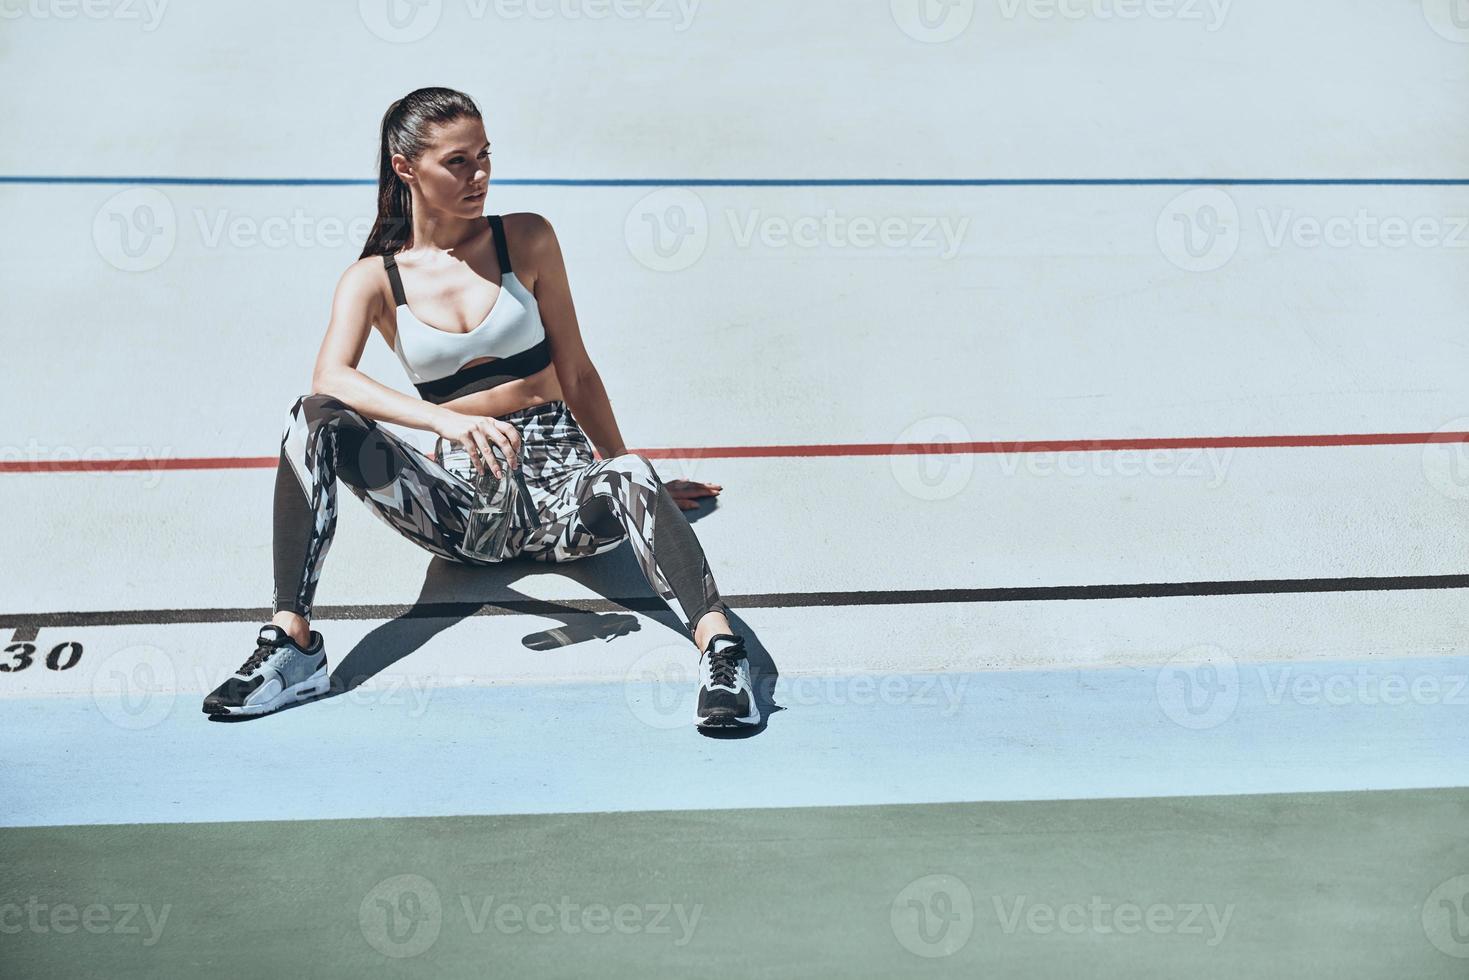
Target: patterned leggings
(585, 506)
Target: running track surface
(1251, 742)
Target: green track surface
(1322, 885)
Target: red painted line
(114, 465)
(848, 449)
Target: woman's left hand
(686, 493)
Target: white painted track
(1313, 88)
(1059, 317)
(1058, 312)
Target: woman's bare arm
(581, 385)
(357, 302)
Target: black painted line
(31, 622)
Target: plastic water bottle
(492, 514)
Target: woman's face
(455, 169)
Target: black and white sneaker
(726, 697)
(278, 673)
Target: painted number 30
(63, 656)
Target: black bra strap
(391, 264)
(497, 229)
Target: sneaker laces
(263, 649)
(724, 666)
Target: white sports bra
(512, 332)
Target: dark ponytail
(405, 130)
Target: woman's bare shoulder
(364, 287)
(365, 279)
(368, 270)
(533, 245)
(528, 227)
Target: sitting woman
(498, 391)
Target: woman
(503, 384)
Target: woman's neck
(442, 232)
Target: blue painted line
(903, 738)
(778, 182)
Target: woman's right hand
(478, 433)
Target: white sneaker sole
(317, 683)
(728, 721)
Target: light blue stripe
(586, 747)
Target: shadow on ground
(452, 592)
